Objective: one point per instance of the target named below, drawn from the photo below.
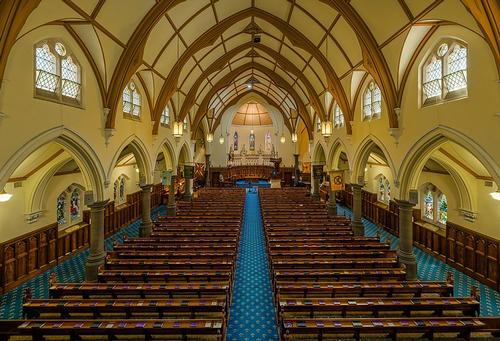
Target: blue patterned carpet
(252, 314)
(71, 270)
(432, 269)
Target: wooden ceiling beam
(13, 16)
(487, 15)
(211, 35)
(227, 79)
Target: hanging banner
(336, 180)
(166, 178)
(317, 171)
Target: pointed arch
(141, 156)
(419, 153)
(83, 154)
(337, 147)
(362, 153)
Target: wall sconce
(326, 129)
(4, 196)
(178, 128)
(294, 137)
(210, 137)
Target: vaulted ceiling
(197, 55)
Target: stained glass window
(442, 209)
(433, 75)
(122, 189)
(267, 143)
(372, 101)
(131, 100)
(381, 189)
(318, 124)
(456, 77)
(428, 205)
(338, 117)
(165, 116)
(57, 72)
(445, 72)
(70, 81)
(74, 209)
(115, 190)
(235, 141)
(185, 124)
(61, 209)
(46, 69)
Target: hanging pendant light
(210, 137)
(178, 129)
(282, 138)
(221, 139)
(326, 129)
(294, 137)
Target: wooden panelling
(473, 253)
(28, 255)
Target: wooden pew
(112, 328)
(389, 327)
(147, 276)
(126, 308)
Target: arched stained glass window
(70, 81)
(61, 209)
(318, 124)
(122, 190)
(74, 209)
(46, 69)
(267, 143)
(115, 190)
(185, 124)
(165, 117)
(338, 117)
(442, 209)
(235, 141)
(384, 189)
(57, 74)
(444, 75)
(131, 100)
(372, 101)
(428, 205)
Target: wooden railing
(475, 254)
(33, 253)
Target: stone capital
(404, 204)
(147, 187)
(98, 205)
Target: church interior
(249, 169)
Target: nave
(302, 254)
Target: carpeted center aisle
(252, 314)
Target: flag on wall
(336, 180)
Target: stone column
(405, 247)
(357, 225)
(171, 206)
(331, 205)
(315, 185)
(296, 170)
(97, 253)
(207, 171)
(188, 177)
(146, 224)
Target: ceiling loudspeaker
(256, 38)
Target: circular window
(60, 49)
(443, 48)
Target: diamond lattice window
(445, 73)
(57, 75)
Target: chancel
(249, 170)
